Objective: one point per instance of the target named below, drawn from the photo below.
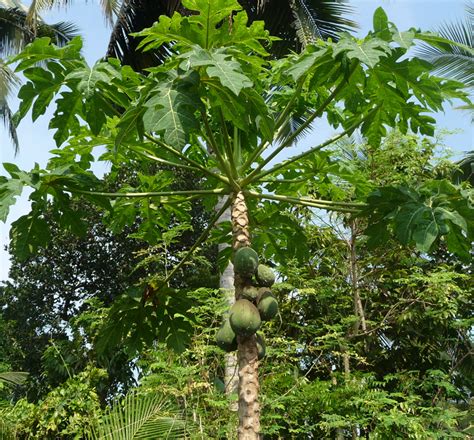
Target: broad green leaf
(172, 111)
(307, 62)
(241, 34)
(130, 122)
(88, 77)
(27, 234)
(220, 65)
(41, 49)
(368, 52)
(66, 116)
(424, 215)
(39, 91)
(10, 189)
(404, 39)
(213, 15)
(380, 24)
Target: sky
(36, 140)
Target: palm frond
(61, 33)
(292, 124)
(305, 25)
(13, 377)
(8, 81)
(134, 16)
(16, 34)
(455, 61)
(141, 417)
(330, 17)
(13, 33)
(110, 9)
(297, 22)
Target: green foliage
(217, 104)
(140, 417)
(68, 411)
(375, 341)
(136, 320)
(437, 210)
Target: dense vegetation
(374, 333)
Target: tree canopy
(220, 107)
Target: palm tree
(109, 9)
(15, 33)
(296, 22)
(456, 60)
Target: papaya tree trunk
(247, 355)
(226, 285)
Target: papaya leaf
(381, 25)
(220, 65)
(368, 52)
(423, 216)
(66, 116)
(27, 234)
(142, 316)
(88, 78)
(41, 49)
(171, 110)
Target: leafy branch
(187, 159)
(346, 207)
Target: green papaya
(245, 261)
(261, 346)
(244, 318)
(265, 276)
(267, 306)
(250, 293)
(226, 338)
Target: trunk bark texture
(249, 407)
(358, 307)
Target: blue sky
(36, 139)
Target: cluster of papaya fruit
(254, 304)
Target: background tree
(15, 34)
(296, 23)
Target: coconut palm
(296, 22)
(15, 34)
(109, 9)
(456, 60)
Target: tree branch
(254, 176)
(114, 195)
(187, 159)
(306, 201)
(200, 239)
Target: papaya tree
(219, 106)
